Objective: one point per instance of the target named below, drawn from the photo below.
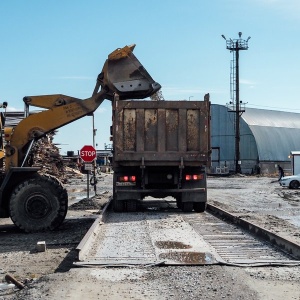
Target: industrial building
(267, 138)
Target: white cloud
(10, 108)
(247, 82)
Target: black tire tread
(294, 184)
(118, 206)
(131, 205)
(60, 193)
(187, 206)
(200, 207)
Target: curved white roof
(276, 133)
(273, 118)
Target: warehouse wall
(223, 141)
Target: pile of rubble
(46, 156)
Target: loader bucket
(123, 74)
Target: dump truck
(160, 149)
(36, 202)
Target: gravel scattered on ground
(260, 200)
(51, 275)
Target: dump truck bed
(161, 133)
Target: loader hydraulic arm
(122, 74)
(37, 125)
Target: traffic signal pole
(94, 162)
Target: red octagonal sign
(88, 153)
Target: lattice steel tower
(235, 105)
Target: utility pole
(235, 45)
(94, 162)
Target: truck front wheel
(38, 204)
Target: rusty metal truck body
(161, 148)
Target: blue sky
(59, 47)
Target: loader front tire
(38, 204)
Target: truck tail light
(127, 178)
(124, 178)
(190, 177)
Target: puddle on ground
(171, 245)
(192, 258)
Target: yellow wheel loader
(38, 203)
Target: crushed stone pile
(92, 204)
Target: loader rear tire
(38, 204)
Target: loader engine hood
(123, 74)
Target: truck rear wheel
(199, 206)
(118, 206)
(187, 206)
(38, 204)
(179, 202)
(131, 205)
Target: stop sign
(88, 153)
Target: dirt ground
(260, 200)
(51, 274)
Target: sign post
(88, 154)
